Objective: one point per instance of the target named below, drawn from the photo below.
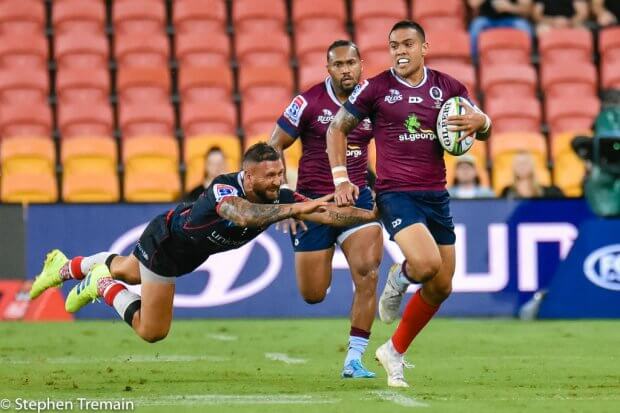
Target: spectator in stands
(498, 13)
(215, 164)
(525, 184)
(556, 14)
(606, 12)
(466, 180)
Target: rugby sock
(87, 263)
(416, 315)
(358, 341)
(118, 296)
(72, 270)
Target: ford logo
(602, 267)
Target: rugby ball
(449, 140)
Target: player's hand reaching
(469, 123)
(346, 194)
(292, 225)
(313, 205)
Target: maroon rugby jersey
(404, 117)
(308, 116)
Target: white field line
(223, 337)
(284, 358)
(400, 399)
(118, 359)
(231, 399)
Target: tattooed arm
(341, 216)
(343, 123)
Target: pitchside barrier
(506, 250)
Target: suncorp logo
(602, 267)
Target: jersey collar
(330, 90)
(404, 82)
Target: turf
(218, 365)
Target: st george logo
(602, 267)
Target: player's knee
(153, 336)
(440, 291)
(425, 270)
(314, 298)
(366, 277)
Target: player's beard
(347, 89)
(264, 197)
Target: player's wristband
(338, 181)
(337, 169)
(487, 124)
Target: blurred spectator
(215, 164)
(467, 182)
(556, 14)
(606, 12)
(525, 184)
(498, 13)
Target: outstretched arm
(341, 216)
(343, 123)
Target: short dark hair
(260, 152)
(342, 43)
(409, 24)
(214, 149)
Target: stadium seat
(311, 46)
(199, 16)
(22, 17)
(311, 75)
(610, 75)
(138, 16)
(263, 16)
(263, 48)
(23, 51)
(143, 84)
(142, 49)
(150, 153)
(569, 80)
(565, 46)
(448, 46)
(439, 15)
(505, 46)
(514, 114)
(259, 117)
(209, 117)
(78, 16)
(513, 80)
(27, 154)
(609, 44)
(79, 119)
(192, 50)
(23, 85)
(29, 187)
(266, 83)
(152, 186)
(478, 152)
(463, 72)
(568, 169)
(327, 16)
(375, 49)
(85, 86)
(195, 149)
(571, 115)
(371, 70)
(139, 119)
(88, 154)
(83, 51)
(205, 83)
(90, 187)
(26, 119)
(292, 154)
(371, 16)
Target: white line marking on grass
(285, 358)
(223, 337)
(401, 400)
(232, 399)
(118, 359)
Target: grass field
(292, 365)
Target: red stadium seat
(327, 16)
(209, 118)
(569, 80)
(83, 51)
(259, 117)
(266, 83)
(374, 49)
(143, 84)
(140, 119)
(78, 16)
(504, 46)
(22, 17)
(463, 72)
(192, 50)
(262, 16)
(140, 49)
(79, 119)
(514, 114)
(371, 70)
(377, 16)
(448, 46)
(311, 46)
(508, 80)
(85, 86)
(26, 119)
(311, 75)
(263, 48)
(138, 16)
(23, 85)
(571, 115)
(609, 44)
(205, 83)
(23, 51)
(199, 16)
(610, 75)
(439, 15)
(565, 46)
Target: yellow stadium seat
(86, 186)
(151, 153)
(196, 148)
(568, 169)
(152, 186)
(89, 154)
(479, 153)
(29, 187)
(27, 154)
